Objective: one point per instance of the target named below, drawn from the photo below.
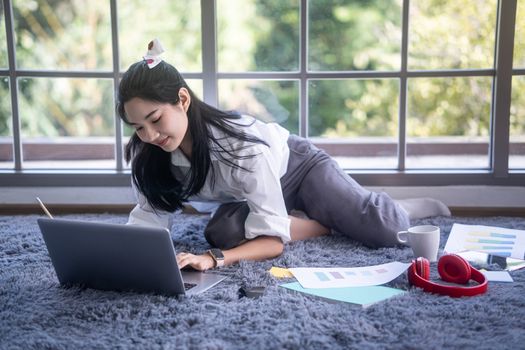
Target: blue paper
(363, 296)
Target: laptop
(119, 257)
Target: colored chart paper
(348, 277)
(498, 241)
(364, 296)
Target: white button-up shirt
(260, 188)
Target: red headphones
(451, 268)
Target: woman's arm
(259, 248)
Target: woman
(184, 150)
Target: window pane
(196, 86)
(3, 39)
(519, 37)
(357, 119)
(71, 125)
(72, 34)
(6, 134)
(258, 35)
(177, 24)
(449, 34)
(266, 100)
(354, 35)
(517, 124)
(448, 124)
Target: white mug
(424, 240)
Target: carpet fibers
(36, 313)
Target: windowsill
(372, 161)
(505, 200)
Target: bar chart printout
(497, 241)
(348, 277)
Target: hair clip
(152, 57)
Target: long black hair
(150, 165)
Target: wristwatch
(217, 256)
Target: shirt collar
(179, 159)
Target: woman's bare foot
(418, 208)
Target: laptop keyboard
(188, 286)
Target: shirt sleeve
(144, 215)
(261, 187)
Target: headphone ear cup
(423, 268)
(453, 268)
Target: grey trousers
(315, 184)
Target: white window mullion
(501, 94)
(401, 145)
(13, 85)
(116, 79)
(209, 51)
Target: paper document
(333, 277)
(494, 240)
(497, 276)
(482, 259)
(363, 296)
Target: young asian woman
(255, 174)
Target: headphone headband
(451, 268)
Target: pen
(44, 208)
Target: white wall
(465, 196)
(453, 196)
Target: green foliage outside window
(63, 35)
(5, 108)
(176, 23)
(265, 36)
(354, 35)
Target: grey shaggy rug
(36, 313)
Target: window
(517, 124)
(6, 135)
(448, 117)
(176, 23)
(448, 122)
(399, 92)
(3, 49)
(517, 109)
(64, 94)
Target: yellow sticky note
(280, 272)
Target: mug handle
(402, 237)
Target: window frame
(498, 172)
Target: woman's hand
(201, 262)
(259, 248)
